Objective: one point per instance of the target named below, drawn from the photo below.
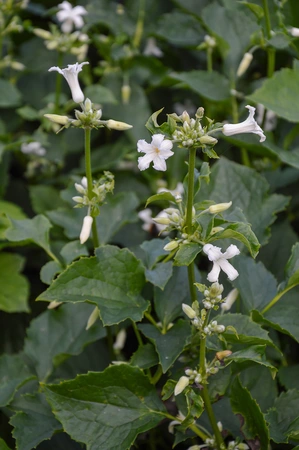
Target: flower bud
(244, 64)
(54, 304)
(87, 105)
(224, 354)
(92, 318)
(86, 229)
(172, 245)
(188, 311)
(115, 125)
(230, 300)
(181, 385)
(209, 140)
(120, 340)
(44, 34)
(219, 207)
(125, 94)
(78, 199)
(61, 120)
(162, 220)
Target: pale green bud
(44, 34)
(125, 94)
(209, 140)
(93, 318)
(87, 105)
(54, 304)
(115, 125)
(181, 385)
(244, 64)
(188, 311)
(162, 220)
(172, 245)
(78, 199)
(61, 120)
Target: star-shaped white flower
(248, 126)
(157, 152)
(71, 75)
(220, 262)
(70, 17)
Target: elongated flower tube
(71, 75)
(86, 229)
(248, 126)
(181, 385)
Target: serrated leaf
(145, 357)
(258, 380)
(112, 280)
(256, 354)
(14, 287)
(57, 334)
(210, 85)
(35, 230)
(122, 400)
(8, 209)
(280, 94)
(14, 373)
(248, 191)
(254, 426)
(186, 254)
(9, 94)
(168, 345)
(241, 232)
(34, 422)
(283, 417)
(292, 270)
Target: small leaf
(14, 373)
(9, 209)
(254, 426)
(73, 250)
(169, 345)
(100, 94)
(122, 400)
(34, 230)
(145, 357)
(49, 271)
(241, 232)
(14, 287)
(256, 9)
(187, 253)
(3, 445)
(34, 421)
(112, 280)
(160, 275)
(256, 354)
(154, 251)
(162, 196)
(9, 95)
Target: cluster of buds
(233, 445)
(100, 188)
(212, 295)
(75, 43)
(190, 132)
(213, 328)
(196, 316)
(192, 376)
(172, 218)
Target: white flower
(69, 16)
(71, 75)
(86, 229)
(181, 385)
(157, 152)
(189, 311)
(151, 48)
(294, 31)
(230, 300)
(220, 262)
(34, 148)
(248, 126)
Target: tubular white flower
(244, 64)
(248, 126)
(71, 75)
(181, 385)
(220, 262)
(230, 300)
(86, 229)
(93, 318)
(70, 17)
(157, 152)
(34, 148)
(116, 125)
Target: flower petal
(230, 271)
(144, 162)
(214, 274)
(166, 145)
(143, 146)
(157, 140)
(159, 163)
(231, 251)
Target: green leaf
(162, 196)
(210, 85)
(280, 93)
(168, 303)
(241, 232)
(122, 400)
(283, 417)
(159, 275)
(8, 209)
(14, 287)
(289, 377)
(145, 357)
(256, 9)
(9, 95)
(187, 253)
(34, 230)
(112, 280)
(44, 198)
(291, 270)
(73, 250)
(169, 345)
(253, 422)
(57, 334)
(14, 373)
(49, 271)
(256, 354)
(258, 380)
(34, 421)
(248, 191)
(3, 445)
(258, 294)
(154, 251)
(28, 113)
(100, 94)
(179, 29)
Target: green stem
(270, 50)
(205, 392)
(139, 25)
(151, 319)
(156, 377)
(235, 116)
(275, 299)
(169, 257)
(89, 183)
(110, 343)
(199, 432)
(137, 334)
(54, 257)
(190, 198)
(267, 18)
(58, 84)
(209, 59)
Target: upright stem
(89, 183)
(191, 274)
(205, 392)
(139, 25)
(270, 50)
(209, 59)
(235, 116)
(58, 84)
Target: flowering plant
(149, 225)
